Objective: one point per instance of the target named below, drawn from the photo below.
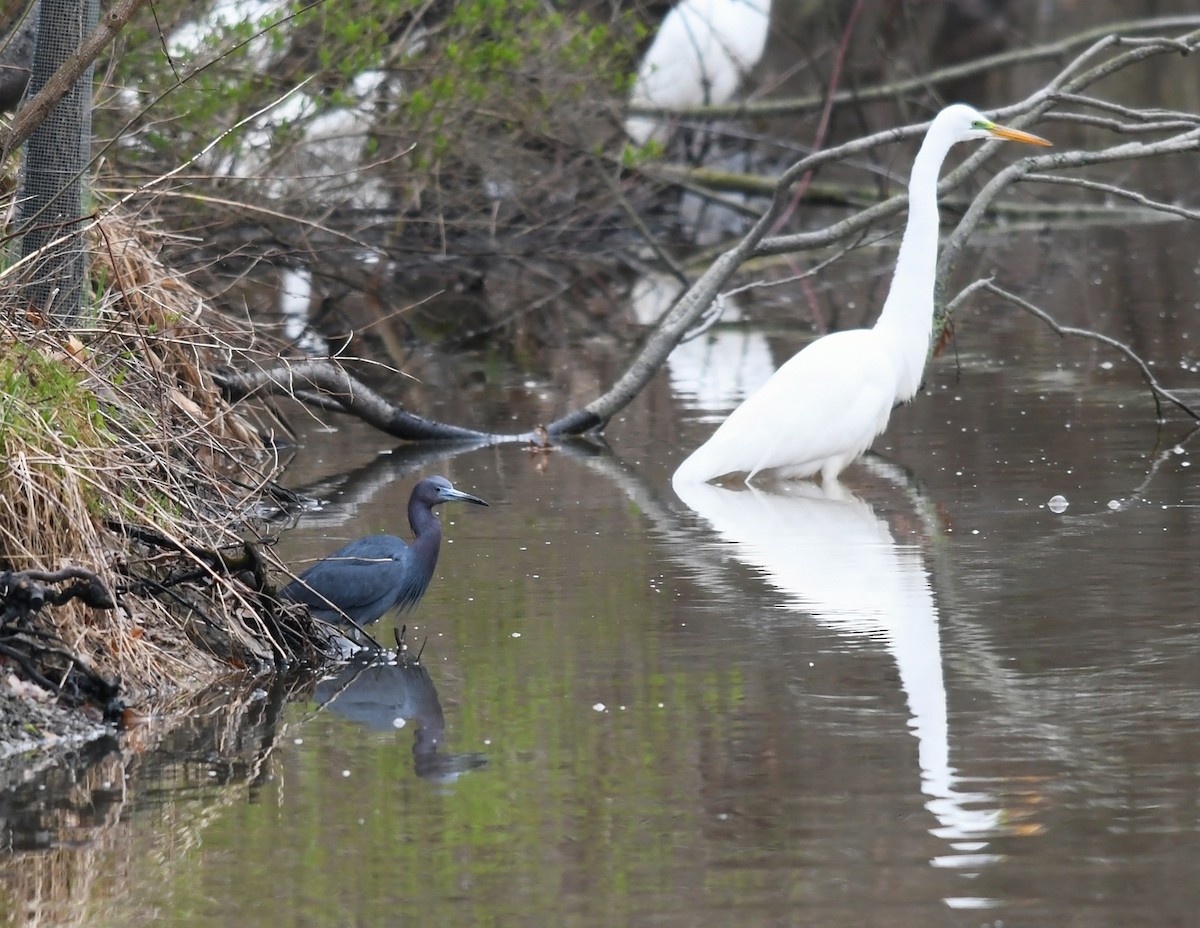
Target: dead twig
(1157, 390)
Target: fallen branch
(335, 385)
(1159, 206)
(1157, 390)
(24, 592)
(306, 380)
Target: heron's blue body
(374, 575)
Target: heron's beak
(459, 496)
(1016, 135)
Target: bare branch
(961, 296)
(352, 396)
(1183, 142)
(1052, 51)
(1149, 117)
(1157, 205)
(1148, 375)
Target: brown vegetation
(122, 458)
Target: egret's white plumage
(701, 53)
(824, 407)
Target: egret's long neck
(907, 316)
(427, 531)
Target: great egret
(703, 50)
(824, 407)
(376, 574)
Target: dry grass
(113, 434)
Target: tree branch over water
(1076, 76)
(1051, 51)
(330, 386)
(1160, 393)
(1158, 133)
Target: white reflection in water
(835, 559)
(715, 371)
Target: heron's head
(964, 123)
(440, 490)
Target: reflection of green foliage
(345, 833)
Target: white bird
(822, 409)
(703, 50)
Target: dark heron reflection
(370, 577)
(389, 691)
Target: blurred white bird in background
(701, 54)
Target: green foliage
(49, 417)
(489, 68)
(43, 394)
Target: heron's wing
(367, 576)
(836, 403)
(830, 399)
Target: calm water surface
(936, 702)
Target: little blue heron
(376, 574)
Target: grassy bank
(122, 461)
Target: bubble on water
(1058, 503)
(1114, 504)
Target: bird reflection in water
(836, 560)
(386, 692)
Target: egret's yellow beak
(1016, 135)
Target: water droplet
(599, 707)
(1058, 503)
(398, 722)
(1114, 504)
